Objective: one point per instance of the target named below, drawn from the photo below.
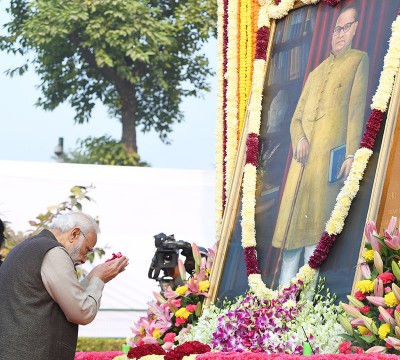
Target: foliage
(174, 312)
(103, 151)
(375, 307)
(73, 203)
(99, 344)
(140, 58)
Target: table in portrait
(292, 207)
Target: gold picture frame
(230, 219)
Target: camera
(167, 254)
(166, 258)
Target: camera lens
(167, 259)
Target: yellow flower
(390, 299)
(384, 330)
(204, 285)
(369, 255)
(181, 290)
(365, 286)
(156, 333)
(182, 313)
(208, 272)
(362, 329)
(142, 330)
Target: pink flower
(365, 271)
(376, 349)
(371, 233)
(179, 321)
(169, 337)
(357, 322)
(191, 308)
(386, 278)
(392, 225)
(378, 288)
(345, 347)
(392, 242)
(168, 346)
(115, 256)
(386, 316)
(393, 342)
(376, 300)
(176, 302)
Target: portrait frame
(232, 209)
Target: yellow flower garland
(231, 93)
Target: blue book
(337, 156)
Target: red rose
(365, 309)
(360, 296)
(359, 350)
(186, 349)
(386, 278)
(146, 349)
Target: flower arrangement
(374, 309)
(208, 322)
(251, 324)
(174, 312)
(258, 325)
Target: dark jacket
(32, 325)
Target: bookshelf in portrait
(295, 197)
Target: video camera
(167, 254)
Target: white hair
(70, 220)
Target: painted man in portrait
(325, 131)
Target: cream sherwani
(329, 113)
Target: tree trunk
(128, 117)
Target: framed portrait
(323, 68)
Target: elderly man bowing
(41, 300)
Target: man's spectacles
(345, 28)
(88, 249)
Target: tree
(140, 58)
(102, 151)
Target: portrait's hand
(303, 149)
(345, 169)
(109, 270)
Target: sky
(29, 133)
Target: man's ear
(74, 234)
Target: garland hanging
(276, 10)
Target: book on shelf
(337, 156)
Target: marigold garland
(231, 92)
(335, 224)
